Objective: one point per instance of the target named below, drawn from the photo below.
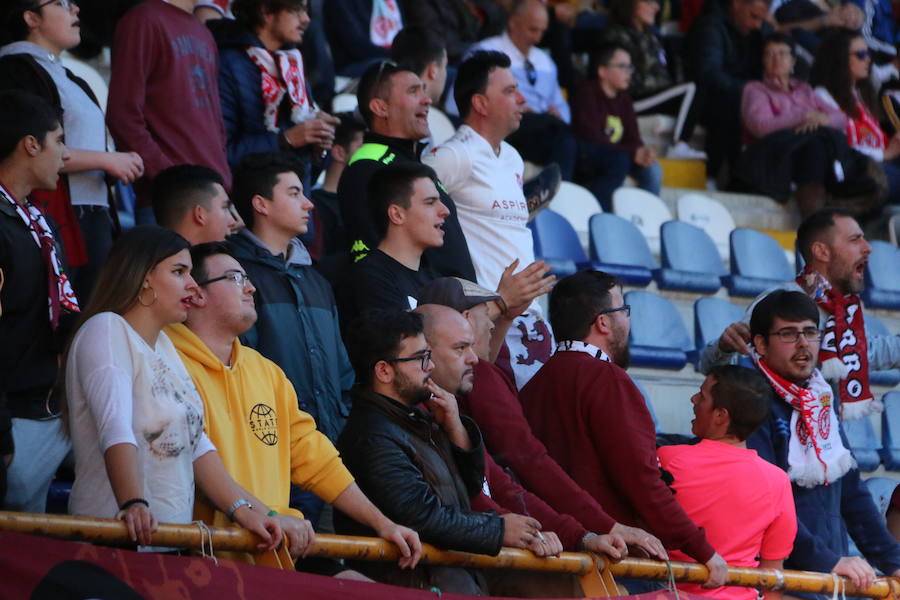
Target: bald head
(452, 347)
(527, 24)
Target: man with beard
(594, 423)
(804, 437)
(266, 442)
(836, 252)
(421, 468)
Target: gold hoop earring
(141, 298)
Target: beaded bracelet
(129, 503)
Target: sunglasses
(861, 54)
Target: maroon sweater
(593, 420)
(599, 119)
(494, 405)
(163, 92)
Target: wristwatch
(237, 504)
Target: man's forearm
(358, 507)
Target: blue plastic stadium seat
(648, 403)
(890, 377)
(863, 443)
(618, 248)
(658, 337)
(890, 431)
(557, 244)
(58, 497)
(882, 490)
(690, 260)
(711, 317)
(883, 276)
(757, 263)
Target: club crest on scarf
(283, 73)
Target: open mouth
(187, 301)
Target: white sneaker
(681, 151)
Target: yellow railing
(596, 573)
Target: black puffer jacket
(407, 466)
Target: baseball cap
(458, 294)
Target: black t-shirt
(331, 223)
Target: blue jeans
(609, 166)
(40, 447)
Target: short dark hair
(251, 13)
(393, 184)
(745, 394)
(257, 174)
(472, 77)
(12, 20)
(601, 55)
(25, 114)
(417, 47)
(375, 335)
(783, 304)
(777, 37)
(177, 190)
(349, 126)
(576, 301)
(199, 254)
(375, 83)
(813, 228)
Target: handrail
(109, 531)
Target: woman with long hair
(653, 89)
(135, 417)
(841, 75)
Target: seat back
(890, 431)
(863, 443)
(658, 337)
(617, 241)
(577, 205)
(440, 126)
(645, 210)
(555, 238)
(755, 254)
(648, 403)
(688, 248)
(883, 269)
(344, 103)
(711, 216)
(711, 317)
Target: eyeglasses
(624, 66)
(241, 279)
(861, 54)
(65, 4)
(790, 336)
(625, 307)
(530, 72)
(424, 358)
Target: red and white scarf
(60, 295)
(816, 454)
(283, 73)
(385, 23)
(843, 352)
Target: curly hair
(831, 70)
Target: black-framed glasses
(240, 278)
(861, 54)
(66, 4)
(791, 335)
(626, 308)
(530, 72)
(424, 358)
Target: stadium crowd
(370, 354)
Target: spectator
(785, 118)
(37, 301)
(207, 10)
(426, 54)
(297, 328)
(162, 52)
(720, 478)
(191, 201)
(484, 175)
(611, 148)
(235, 380)
(882, 35)
(394, 105)
(328, 224)
(652, 85)
(267, 101)
(806, 21)
(32, 62)
(543, 135)
(841, 75)
(493, 403)
(421, 468)
(139, 463)
(811, 446)
(458, 22)
(361, 32)
(594, 423)
(835, 252)
(724, 52)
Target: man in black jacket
(420, 468)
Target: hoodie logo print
(264, 424)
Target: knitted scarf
(816, 454)
(60, 295)
(283, 73)
(843, 352)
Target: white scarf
(573, 346)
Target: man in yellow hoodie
(251, 413)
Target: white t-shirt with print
(120, 390)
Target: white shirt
(120, 390)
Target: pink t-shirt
(744, 503)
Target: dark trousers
(603, 170)
(543, 139)
(97, 230)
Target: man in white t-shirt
(483, 173)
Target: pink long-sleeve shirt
(766, 108)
